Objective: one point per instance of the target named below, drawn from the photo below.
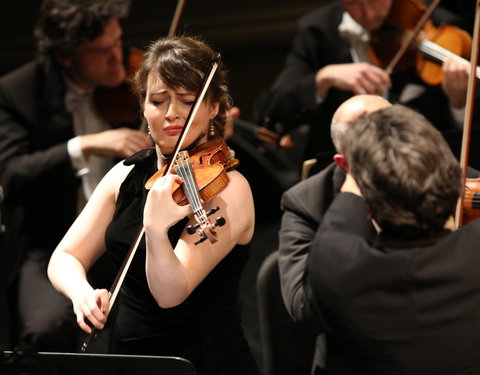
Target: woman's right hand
(94, 307)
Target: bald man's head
(350, 111)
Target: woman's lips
(173, 129)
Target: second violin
(428, 50)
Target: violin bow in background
(176, 18)
(171, 32)
(469, 107)
(411, 37)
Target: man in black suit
(303, 207)
(404, 301)
(329, 62)
(54, 148)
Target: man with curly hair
(54, 147)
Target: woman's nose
(173, 111)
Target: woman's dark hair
(63, 25)
(183, 62)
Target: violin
(209, 161)
(204, 174)
(409, 30)
(467, 206)
(471, 200)
(118, 105)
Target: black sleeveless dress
(206, 327)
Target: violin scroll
(207, 231)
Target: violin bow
(117, 283)
(176, 18)
(193, 111)
(411, 37)
(469, 106)
(171, 32)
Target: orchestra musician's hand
(119, 143)
(233, 114)
(359, 78)
(455, 81)
(92, 306)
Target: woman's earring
(212, 131)
(147, 130)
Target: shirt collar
(352, 30)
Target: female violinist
(178, 298)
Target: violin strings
(194, 195)
(187, 185)
(435, 51)
(185, 171)
(473, 201)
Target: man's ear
(341, 162)
(63, 60)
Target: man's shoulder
(444, 16)
(35, 83)
(328, 12)
(25, 72)
(312, 195)
(312, 183)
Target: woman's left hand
(161, 211)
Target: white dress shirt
(86, 120)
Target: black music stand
(46, 363)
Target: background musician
(329, 62)
(54, 148)
(303, 207)
(403, 301)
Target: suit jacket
(41, 187)
(303, 207)
(397, 305)
(291, 99)
(35, 168)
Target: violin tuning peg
(202, 238)
(220, 222)
(191, 229)
(213, 210)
